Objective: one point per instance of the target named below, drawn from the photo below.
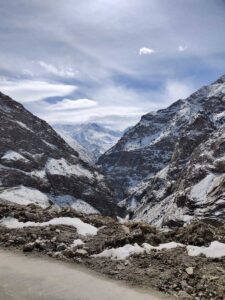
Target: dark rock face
(32, 154)
(174, 166)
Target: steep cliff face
(159, 162)
(35, 159)
(196, 191)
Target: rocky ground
(172, 271)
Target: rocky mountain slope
(37, 165)
(170, 166)
(91, 139)
(187, 262)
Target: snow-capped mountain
(170, 166)
(91, 140)
(37, 165)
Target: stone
(189, 270)
(61, 247)
(81, 252)
(28, 247)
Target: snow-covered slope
(91, 139)
(165, 165)
(84, 154)
(37, 165)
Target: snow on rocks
(63, 168)
(121, 253)
(215, 250)
(82, 227)
(84, 207)
(167, 246)
(77, 242)
(24, 196)
(127, 250)
(14, 156)
(77, 204)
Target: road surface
(33, 278)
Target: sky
(108, 61)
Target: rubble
(171, 271)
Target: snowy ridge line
(215, 250)
(82, 227)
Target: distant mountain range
(167, 170)
(91, 140)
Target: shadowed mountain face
(170, 166)
(35, 159)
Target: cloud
(65, 72)
(119, 116)
(99, 38)
(182, 48)
(31, 90)
(146, 51)
(175, 90)
(114, 105)
(68, 104)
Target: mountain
(91, 139)
(170, 167)
(37, 165)
(67, 135)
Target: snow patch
(21, 124)
(121, 252)
(215, 250)
(64, 168)
(127, 250)
(78, 204)
(14, 156)
(23, 195)
(202, 189)
(77, 242)
(82, 228)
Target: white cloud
(66, 72)
(105, 113)
(146, 51)
(182, 48)
(175, 90)
(30, 90)
(68, 104)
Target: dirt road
(34, 278)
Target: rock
(31, 217)
(125, 229)
(61, 247)
(120, 267)
(189, 270)
(184, 296)
(68, 253)
(81, 252)
(28, 247)
(20, 240)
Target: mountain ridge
(162, 145)
(35, 159)
(91, 139)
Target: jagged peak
(220, 80)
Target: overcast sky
(108, 61)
